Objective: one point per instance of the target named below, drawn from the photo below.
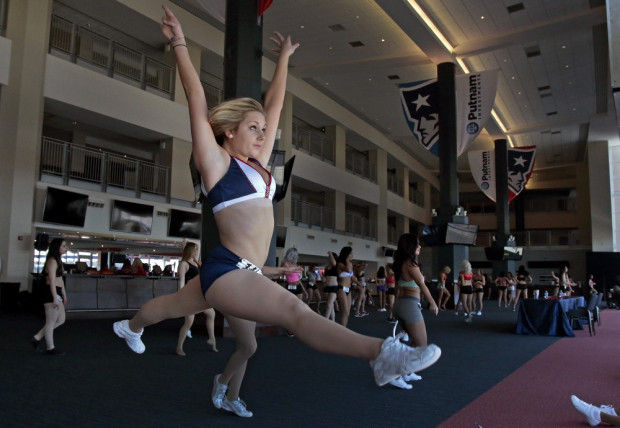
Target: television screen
(461, 234)
(65, 207)
(513, 253)
(131, 217)
(433, 235)
(184, 224)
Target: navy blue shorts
(220, 261)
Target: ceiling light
(416, 7)
(302, 27)
(574, 108)
(357, 17)
(563, 46)
(505, 60)
(382, 40)
(519, 92)
(330, 47)
(482, 17)
(327, 83)
(566, 66)
(370, 78)
(513, 78)
(85, 237)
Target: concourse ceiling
(551, 56)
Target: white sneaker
(402, 336)
(592, 413)
(412, 376)
(218, 392)
(468, 319)
(238, 407)
(479, 313)
(189, 334)
(397, 359)
(122, 330)
(399, 382)
(609, 409)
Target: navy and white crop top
(241, 182)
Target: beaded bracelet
(179, 44)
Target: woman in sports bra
(523, 279)
(466, 289)
(381, 288)
(188, 269)
(502, 286)
(390, 283)
(230, 145)
(345, 280)
(410, 285)
(512, 288)
(55, 297)
(331, 286)
(313, 289)
(360, 273)
(555, 283)
(566, 284)
(479, 284)
(444, 293)
(293, 279)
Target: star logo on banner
(520, 161)
(421, 101)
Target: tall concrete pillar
(337, 134)
(283, 208)
(599, 178)
(21, 122)
(340, 208)
(379, 158)
(502, 209)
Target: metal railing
(536, 237)
(312, 141)
(393, 235)
(359, 225)
(359, 164)
(416, 196)
(395, 185)
(213, 95)
(71, 161)
(311, 214)
(550, 204)
(118, 60)
(3, 14)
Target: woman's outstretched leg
(189, 321)
(245, 340)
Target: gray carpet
(99, 382)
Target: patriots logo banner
(419, 101)
(475, 95)
(520, 167)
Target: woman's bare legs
(189, 321)
(247, 295)
(210, 324)
(480, 297)
(54, 317)
(345, 307)
(417, 333)
(329, 310)
(381, 299)
(245, 340)
(391, 299)
(514, 307)
(187, 301)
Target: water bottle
(546, 294)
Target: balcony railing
(393, 235)
(538, 237)
(395, 185)
(213, 94)
(359, 225)
(311, 214)
(71, 161)
(117, 60)
(550, 204)
(416, 196)
(312, 141)
(359, 164)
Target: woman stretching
(390, 282)
(188, 269)
(407, 308)
(56, 297)
(331, 287)
(345, 278)
(381, 288)
(465, 281)
(229, 146)
(479, 283)
(443, 291)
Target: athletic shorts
(294, 288)
(467, 289)
(408, 309)
(501, 287)
(220, 261)
(381, 287)
(312, 286)
(391, 291)
(521, 287)
(330, 289)
(479, 290)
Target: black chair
(598, 307)
(584, 315)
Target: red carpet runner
(538, 393)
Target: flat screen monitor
(513, 253)
(433, 235)
(131, 217)
(184, 224)
(461, 234)
(65, 207)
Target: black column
(502, 208)
(519, 204)
(448, 255)
(243, 43)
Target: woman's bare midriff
(246, 228)
(408, 292)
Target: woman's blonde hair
(446, 270)
(188, 251)
(466, 266)
(291, 256)
(229, 114)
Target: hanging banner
(520, 167)
(475, 95)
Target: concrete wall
(5, 60)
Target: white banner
(475, 95)
(520, 167)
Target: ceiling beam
(550, 124)
(532, 33)
(373, 63)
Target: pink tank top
(293, 277)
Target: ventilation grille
(545, 95)
(162, 213)
(356, 44)
(532, 51)
(515, 7)
(393, 77)
(336, 27)
(544, 88)
(552, 113)
(95, 204)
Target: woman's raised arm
(274, 98)
(204, 147)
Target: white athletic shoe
(189, 334)
(122, 330)
(412, 376)
(397, 359)
(238, 407)
(399, 382)
(609, 409)
(402, 336)
(479, 313)
(591, 412)
(218, 392)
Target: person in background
(390, 282)
(126, 268)
(523, 280)
(591, 286)
(313, 289)
(55, 299)
(555, 283)
(479, 284)
(330, 286)
(168, 271)
(512, 288)
(293, 279)
(360, 308)
(466, 289)
(444, 293)
(381, 288)
(501, 282)
(137, 267)
(156, 271)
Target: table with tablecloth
(547, 317)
